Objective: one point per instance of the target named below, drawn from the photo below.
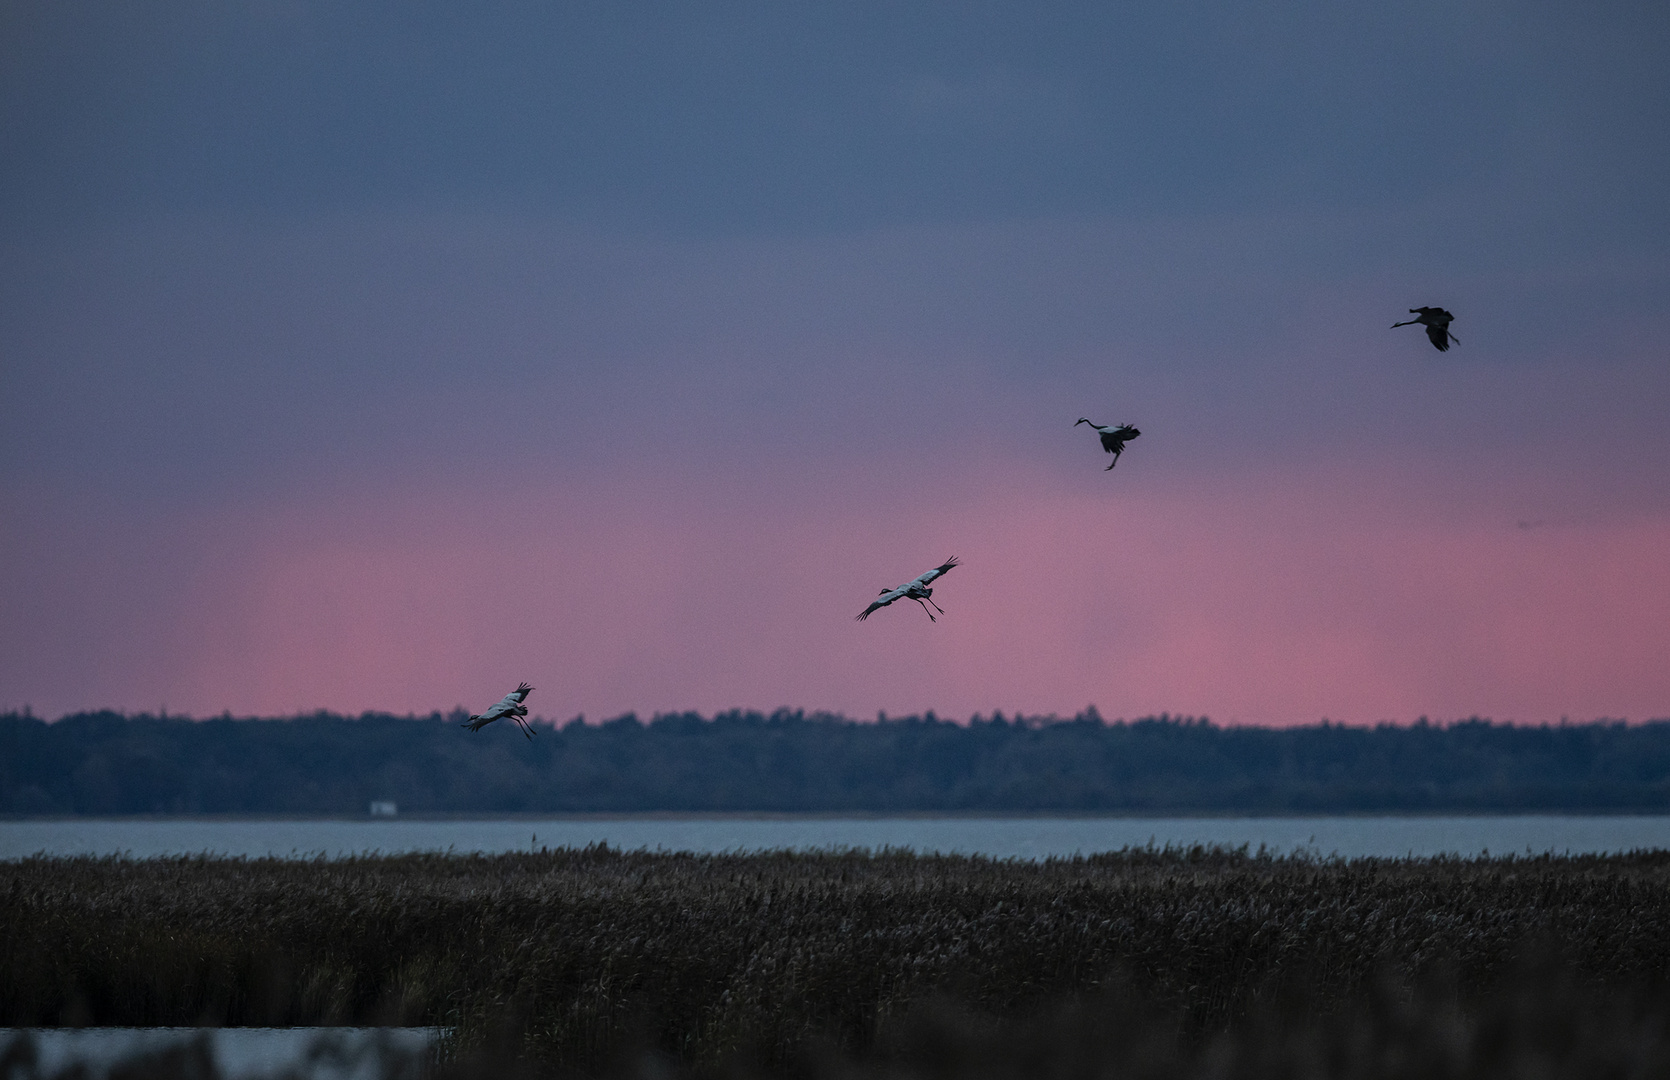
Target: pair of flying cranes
(1114, 437)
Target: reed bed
(581, 958)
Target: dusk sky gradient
(382, 355)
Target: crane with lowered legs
(1114, 437)
(915, 589)
(1437, 322)
(510, 705)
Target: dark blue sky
(792, 118)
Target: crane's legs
(925, 608)
(937, 607)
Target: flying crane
(1114, 437)
(511, 706)
(916, 589)
(1437, 322)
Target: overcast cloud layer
(380, 356)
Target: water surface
(238, 1053)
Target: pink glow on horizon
(1302, 600)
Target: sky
(378, 356)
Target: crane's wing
(882, 601)
(938, 571)
(1439, 335)
(511, 702)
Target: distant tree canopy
(106, 763)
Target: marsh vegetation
(582, 958)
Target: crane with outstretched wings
(915, 589)
(511, 706)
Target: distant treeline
(107, 763)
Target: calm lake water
(1010, 837)
(338, 1053)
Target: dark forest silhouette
(107, 763)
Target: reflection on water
(337, 1053)
(1011, 837)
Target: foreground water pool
(998, 837)
(345, 1053)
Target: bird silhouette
(916, 589)
(1114, 438)
(511, 706)
(1437, 322)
